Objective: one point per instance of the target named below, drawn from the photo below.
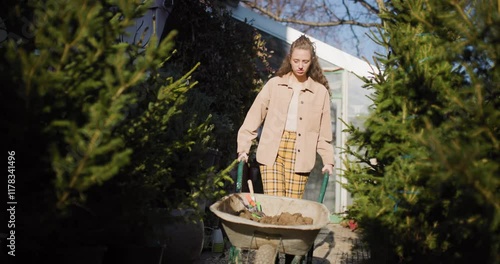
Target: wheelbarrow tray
(289, 239)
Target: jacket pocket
(312, 117)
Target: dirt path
(339, 245)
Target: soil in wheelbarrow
(284, 218)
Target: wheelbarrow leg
(309, 256)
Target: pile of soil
(284, 218)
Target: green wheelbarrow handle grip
(239, 178)
(323, 187)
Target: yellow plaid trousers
(280, 179)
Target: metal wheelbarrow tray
(289, 239)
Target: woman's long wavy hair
(315, 71)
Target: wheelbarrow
(295, 240)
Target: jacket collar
(309, 84)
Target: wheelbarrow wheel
(266, 254)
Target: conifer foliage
(84, 83)
(424, 169)
(103, 122)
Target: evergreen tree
(78, 88)
(101, 124)
(424, 170)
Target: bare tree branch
(277, 14)
(369, 7)
(345, 24)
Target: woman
(295, 105)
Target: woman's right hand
(243, 156)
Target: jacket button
(298, 150)
(300, 118)
(299, 134)
(302, 102)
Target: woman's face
(300, 61)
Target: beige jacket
(314, 128)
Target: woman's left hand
(327, 168)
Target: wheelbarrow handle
(239, 178)
(323, 188)
(320, 200)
